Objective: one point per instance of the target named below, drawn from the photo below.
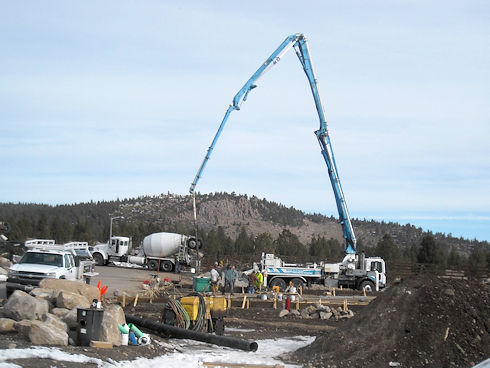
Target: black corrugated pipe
(182, 333)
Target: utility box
(191, 306)
(89, 322)
(200, 284)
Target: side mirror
(77, 261)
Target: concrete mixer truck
(157, 251)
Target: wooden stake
(364, 291)
(124, 300)
(297, 303)
(229, 302)
(446, 334)
(244, 301)
(136, 300)
(345, 305)
(334, 292)
(248, 303)
(275, 302)
(340, 287)
(320, 301)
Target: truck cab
(55, 262)
(117, 248)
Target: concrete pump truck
(355, 271)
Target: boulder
(70, 318)
(5, 263)
(325, 315)
(21, 306)
(283, 313)
(113, 316)
(46, 294)
(88, 291)
(42, 333)
(3, 271)
(55, 321)
(59, 312)
(304, 313)
(70, 300)
(315, 315)
(23, 327)
(6, 325)
(295, 313)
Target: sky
(118, 99)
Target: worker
(252, 279)
(260, 280)
(215, 277)
(177, 264)
(230, 276)
(235, 277)
(291, 289)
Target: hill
(234, 215)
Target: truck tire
(153, 264)
(192, 243)
(99, 260)
(298, 282)
(166, 266)
(367, 285)
(278, 282)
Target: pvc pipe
(182, 333)
(124, 329)
(136, 330)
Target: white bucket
(193, 270)
(263, 297)
(124, 339)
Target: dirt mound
(424, 321)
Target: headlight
(51, 275)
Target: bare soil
(419, 322)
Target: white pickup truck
(57, 262)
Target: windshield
(83, 253)
(43, 258)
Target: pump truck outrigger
(354, 271)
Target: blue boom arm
(298, 41)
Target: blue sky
(116, 99)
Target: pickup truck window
(43, 258)
(68, 261)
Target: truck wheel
(367, 285)
(153, 265)
(298, 282)
(99, 260)
(278, 282)
(192, 243)
(166, 266)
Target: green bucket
(200, 284)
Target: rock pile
(4, 266)
(318, 311)
(48, 314)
